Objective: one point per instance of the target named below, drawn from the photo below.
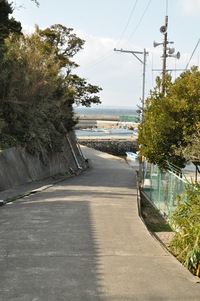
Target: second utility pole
(143, 73)
(143, 91)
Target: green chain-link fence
(162, 187)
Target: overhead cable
(109, 53)
(192, 54)
(136, 27)
(97, 61)
(133, 9)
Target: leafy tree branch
(171, 122)
(38, 89)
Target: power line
(133, 9)
(136, 27)
(192, 54)
(97, 61)
(109, 53)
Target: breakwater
(113, 146)
(92, 121)
(103, 121)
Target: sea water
(106, 110)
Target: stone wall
(18, 167)
(113, 147)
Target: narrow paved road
(82, 239)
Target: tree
(38, 89)
(7, 25)
(191, 151)
(169, 120)
(37, 2)
(188, 87)
(63, 45)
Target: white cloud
(190, 7)
(117, 73)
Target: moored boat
(132, 156)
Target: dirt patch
(155, 222)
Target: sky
(128, 25)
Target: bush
(186, 222)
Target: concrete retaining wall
(18, 167)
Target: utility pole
(167, 52)
(135, 53)
(164, 53)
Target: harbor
(111, 133)
(106, 125)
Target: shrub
(186, 222)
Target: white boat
(132, 156)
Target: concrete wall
(18, 167)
